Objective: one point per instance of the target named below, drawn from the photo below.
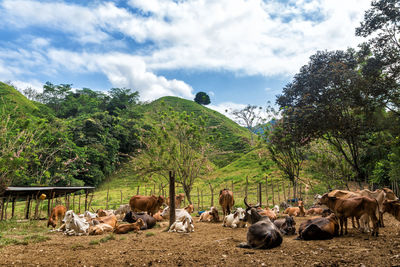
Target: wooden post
(145, 190)
(121, 198)
(198, 199)
(2, 208)
(233, 188)
(108, 191)
(273, 194)
(201, 199)
(284, 191)
(73, 202)
(212, 195)
(31, 203)
(260, 194)
(154, 187)
(247, 185)
(288, 191)
(90, 201)
(86, 196)
(27, 207)
(36, 208)
(68, 201)
(279, 195)
(266, 190)
(5, 209)
(172, 198)
(79, 203)
(138, 190)
(13, 207)
(65, 200)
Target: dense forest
(338, 121)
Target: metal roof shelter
(33, 193)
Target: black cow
(148, 220)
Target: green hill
(10, 99)
(235, 139)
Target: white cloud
(34, 84)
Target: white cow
(123, 209)
(235, 219)
(74, 225)
(179, 214)
(89, 215)
(184, 225)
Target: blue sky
(239, 51)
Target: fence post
(284, 191)
(108, 191)
(198, 199)
(90, 201)
(2, 208)
(273, 196)
(154, 188)
(266, 190)
(138, 190)
(247, 185)
(13, 207)
(279, 195)
(201, 199)
(172, 198)
(233, 187)
(73, 202)
(260, 193)
(212, 195)
(121, 197)
(289, 191)
(79, 203)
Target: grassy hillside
(10, 98)
(235, 139)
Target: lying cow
(148, 221)
(392, 207)
(235, 220)
(158, 216)
(91, 215)
(125, 228)
(179, 213)
(104, 213)
(210, 215)
(123, 209)
(352, 207)
(275, 209)
(74, 225)
(319, 228)
(102, 225)
(286, 225)
(150, 204)
(184, 225)
(296, 211)
(189, 208)
(315, 211)
(262, 234)
(57, 214)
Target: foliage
(202, 98)
(250, 117)
(177, 143)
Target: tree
(249, 117)
(329, 98)
(179, 143)
(382, 22)
(202, 98)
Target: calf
(352, 207)
(57, 214)
(148, 221)
(158, 216)
(236, 219)
(226, 201)
(315, 211)
(296, 211)
(74, 225)
(125, 228)
(184, 225)
(319, 228)
(210, 215)
(178, 200)
(104, 213)
(286, 225)
(262, 234)
(189, 208)
(275, 209)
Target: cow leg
(345, 224)
(381, 219)
(341, 225)
(375, 224)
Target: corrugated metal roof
(16, 191)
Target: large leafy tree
(382, 24)
(329, 98)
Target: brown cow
(226, 201)
(57, 214)
(102, 225)
(151, 204)
(269, 213)
(210, 215)
(392, 207)
(319, 228)
(158, 216)
(178, 200)
(352, 207)
(345, 194)
(296, 211)
(125, 228)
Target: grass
(107, 238)
(148, 234)
(77, 246)
(94, 242)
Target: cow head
(251, 215)
(301, 204)
(101, 213)
(165, 211)
(69, 216)
(325, 199)
(240, 214)
(51, 222)
(326, 212)
(289, 225)
(390, 194)
(392, 207)
(140, 223)
(160, 200)
(214, 214)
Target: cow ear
(235, 215)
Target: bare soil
(209, 245)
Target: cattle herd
(266, 226)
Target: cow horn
(257, 206)
(245, 202)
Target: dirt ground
(209, 245)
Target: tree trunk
(187, 190)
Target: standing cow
(178, 200)
(150, 204)
(226, 201)
(57, 214)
